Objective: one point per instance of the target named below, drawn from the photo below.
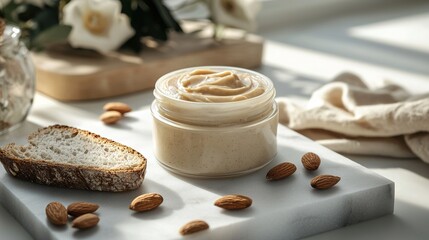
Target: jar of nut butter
(214, 122)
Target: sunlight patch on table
(409, 32)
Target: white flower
(235, 13)
(97, 24)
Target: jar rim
(267, 81)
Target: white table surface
(299, 59)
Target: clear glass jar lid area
(214, 96)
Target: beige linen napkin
(346, 116)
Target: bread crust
(75, 176)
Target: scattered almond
(84, 221)
(56, 213)
(79, 208)
(146, 202)
(193, 227)
(311, 161)
(324, 181)
(110, 117)
(117, 106)
(233, 202)
(281, 171)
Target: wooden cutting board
(71, 75)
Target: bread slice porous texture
(68, 157)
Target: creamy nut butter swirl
(205, 85)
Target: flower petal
(119, 29)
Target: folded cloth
(347, 116)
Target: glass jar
(214, 139)
(17, 79)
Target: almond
(110, 117)
(146, 202)
(193, 226)
(79, 208)
(56, 213)
(324, 181)
(117, 106)
(233, 202)
(311, 161)
(84, 221)
(281, 171)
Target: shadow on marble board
(409, 221)
(20, 134)
(253, 184)
(332, 35)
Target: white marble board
(285, 209)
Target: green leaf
(25, 12)
(46, 18)
(127, 7)
(55, 34)
(164, 14)
(9, 12)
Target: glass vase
(17, 79)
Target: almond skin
(233, 202)
(84, 221)
(193, 227)
(281, 171)
(56, 213)
(79, 208)
(146, 202)
(324, 181)
(310, 161)
(110, 117)
(117, 106)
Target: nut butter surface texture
(204, 85)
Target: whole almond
(324, 181)
(56, 213)
(233, 202)
(110, 117)
(281, 171)
(84, 221)
(193, 227)
(117, 106)
(310, 161)
(146, 202)
(79, 208)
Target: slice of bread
(73, 158)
